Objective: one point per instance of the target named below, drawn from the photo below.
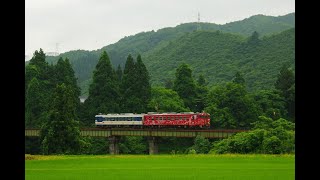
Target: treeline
(52, 104)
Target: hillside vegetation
(218, 56)
(218, 64)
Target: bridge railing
(98, 132)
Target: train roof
(142, 114)
(121, 114)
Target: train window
(99, 119)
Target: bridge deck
(98, 132)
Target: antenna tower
(198, 26)
(57, 50)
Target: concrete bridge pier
(153, 145)
(114, 144)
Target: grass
(175, 167)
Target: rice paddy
(156, 167)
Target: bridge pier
(153, 145)
(114, 144)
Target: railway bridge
(114, 135)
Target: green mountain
(263, 24)
(152, 44)
(218, 56)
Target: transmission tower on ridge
(57, 50)
(198, 24)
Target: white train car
(114, 120)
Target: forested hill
(218, 56)
(150, 44)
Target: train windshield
(99, 119)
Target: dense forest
(156, 45)
(219, 55)
(244, 82)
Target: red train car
(187, 119)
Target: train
(154, 120)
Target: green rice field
(149, 167)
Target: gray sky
(92, 24)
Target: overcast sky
(66, 25)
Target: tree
(64, 73)
(254, 38)
(202, 92)
(231, 106)
(201, 145)
(185, 86)
(103, 91)
(127, 86)
(285, 80)
(119, 73)
(168, 83)
(285, 83)
(238, 78)
(133, 145)
(143, 87)
(35, 104)
(135, 86)
(39, 61)
(31, 72)
(270, 103)
(38, 68)
(165, 100)
(60, 134)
